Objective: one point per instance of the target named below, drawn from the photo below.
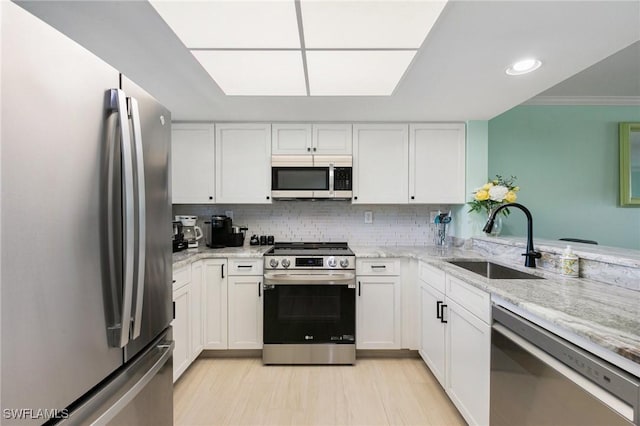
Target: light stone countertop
(604, 314)
(186, 257)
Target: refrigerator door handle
(119, 332)
(141, 215)
(166, 350)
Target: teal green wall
(477, 152)
(566, 160)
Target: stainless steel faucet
(531, 255)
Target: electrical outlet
(432, 216)
(229, 213)
(368, 217)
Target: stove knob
(332, 262)
(273, 263)
(285, 263)
(344, 263)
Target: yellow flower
(482, 194)
(487, 186)
(511, 196)
(516, 189)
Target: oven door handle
(314, 279)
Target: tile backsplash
(393, 225)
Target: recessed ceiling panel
(356, 73)
(255, 73)
(368, 24)
(232, 24)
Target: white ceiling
(458, 73)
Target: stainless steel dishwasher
(538, 378)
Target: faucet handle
(533, 254)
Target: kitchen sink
(493, 270)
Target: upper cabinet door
(290, 138)
(243, 163)
(192, 163)
(332, 139)
(437, 163)
(380, 173)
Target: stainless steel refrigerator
(85, 241)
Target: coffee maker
(217, 231)
(177, 239)
(191, 232)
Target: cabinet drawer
(378, 267)
(245, 266)
(433, 276)
(473, 299)
(181, 277)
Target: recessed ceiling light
(524, 66)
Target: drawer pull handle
(438, 314)
(245, 266)
(378, 266)
(222, 270)
(442, 320)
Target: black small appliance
(218, 231)
(177, 239)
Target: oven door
(309, 307)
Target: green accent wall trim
(566, 159)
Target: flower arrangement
(493, 194)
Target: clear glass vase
(497, 225)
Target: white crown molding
(585, 100)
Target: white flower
(498, 192)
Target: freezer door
(155, 312)
(54, 327)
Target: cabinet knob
(413, 198)
(308, 149)
(268, 197)
(314, 149)
(355, 198)
(210, 197)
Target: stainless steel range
(309, 304)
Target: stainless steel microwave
(311, 177)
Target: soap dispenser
(570, 263)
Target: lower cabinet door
(181, 331)
(245, 312)
(432, 337)
(196, 304)
(468, 363)
(378, 312)
(215, 303)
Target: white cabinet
(332, 139)
(290, 139)
(456, 340)
(437, 163)
(378, 305)
(196, 310)
(215, 303)
(301, 138)
(243, 163)
(245, 303)
(380, 163)
(245, 312)
(192, 163)
(181, 323)
(432, 333)
(468, 351)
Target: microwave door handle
(141, 213)
(331, 178)
(119, 332)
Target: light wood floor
(241, 391)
